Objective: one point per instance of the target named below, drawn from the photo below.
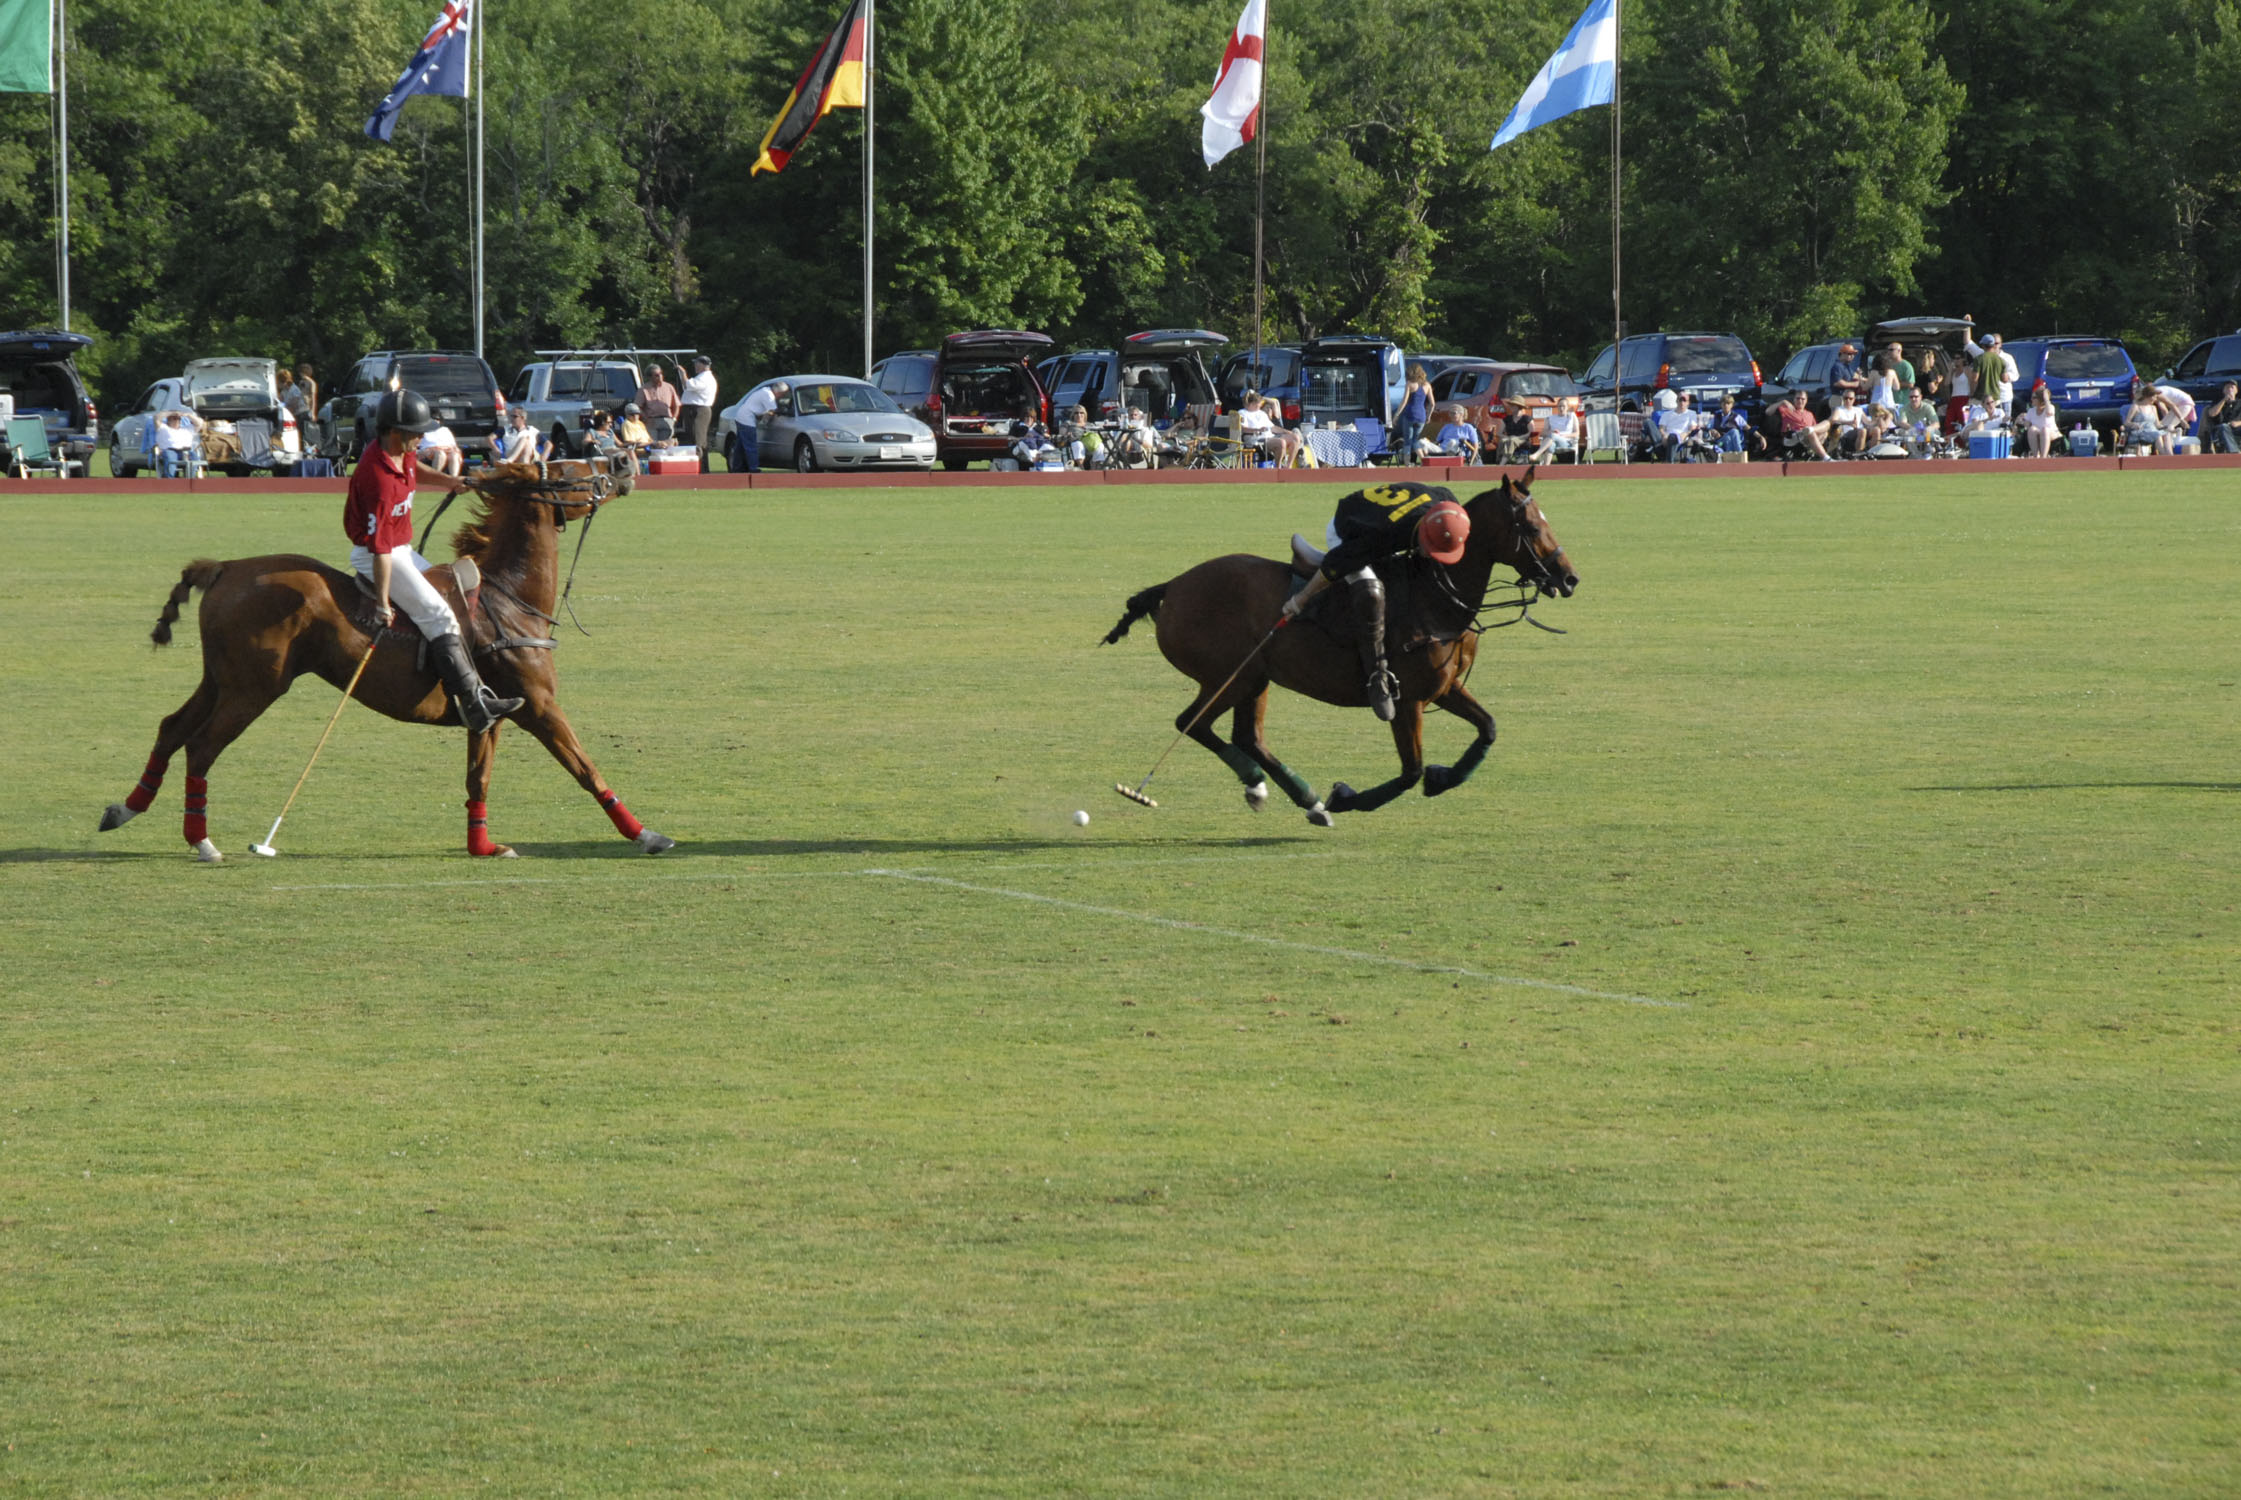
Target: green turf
(895, 1137)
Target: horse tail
(199, 574)
(1141, 606)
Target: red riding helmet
(1442, 532)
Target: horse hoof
(116, 815)
(650, 842)
(1438, 779)
(208, 854)
(1319, 816)
(1256, 795)
(1341, 798)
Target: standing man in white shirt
(757, 404)
(696, 410)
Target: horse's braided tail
(1141, 606)
(199, 574)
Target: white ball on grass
(1081, 819)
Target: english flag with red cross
(1233, 115)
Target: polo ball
(1081, 819)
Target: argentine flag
(1582, 72)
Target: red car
(970, 390)
(1491, 391)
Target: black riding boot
(478, 706)
(1368, 596)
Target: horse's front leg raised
(552, 730)
(1455, 700)
(482, 755)
(1408, 738)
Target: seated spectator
(1735, 432)
(1084, 444)
(1920, 417)
(1457, 438)
(1981, 420)
(2143, 422)
(602, 441)
(1670, 428)
(1262, 434)
(178, 443)
(2221, 421)
(632, 433)
(1031, 444)
(1561, 435)
(521, 445)
(2178, 412)
(2040, 423)
(1850, 431)
(439, 450)
(1517, 437)
(1799, 430)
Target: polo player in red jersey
(377, 517)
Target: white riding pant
(410, 592)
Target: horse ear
(1527, 480)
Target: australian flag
(439, 67)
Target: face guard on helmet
(1442, 532)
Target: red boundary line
(940, 479)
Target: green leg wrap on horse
(1300, 792)
(1248, 769)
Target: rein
(1524, 592)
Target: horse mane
(474, 538)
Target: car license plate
(2084, 392)
(888, 453)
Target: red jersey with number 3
(378, 513)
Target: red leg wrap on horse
(478, 830)
(151, 780)
(626, 825)
(198, 802)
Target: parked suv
(1347, 376)
(970, 390)
(1706, 365)
(561, 394)
(39, 370)
(1159, 372)
(2203, 370)
(1275, 374)
(458, 385)
(225, 393)
(2088, 379)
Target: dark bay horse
(1211, 617)
(268, 620)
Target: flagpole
(62, 160)
(1260, 189)
(475, 39)
(869, 89)
(1618, 317)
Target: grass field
(1804, 1060)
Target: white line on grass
(1179, 925)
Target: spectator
(1799, 430)
(633, 435)
(1921, 418)
(657, 403)
(2041, 423)
(1671, 427)
(439, 450)
(1561, 434)
(1031, 444)
(696, 408)
(2178, 412)
(1850, 432)
(1883, 391)
(1993, 376)
(178, 439)
(745, 452)
(521, 445)
(1456, 437)
(2221, 421)
(1736, 434)
(2143, 422)
(1845, 374)
(1416, 410)
(1895, 360)
(1263, 434)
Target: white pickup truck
(561, 394)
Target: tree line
(1789, 173)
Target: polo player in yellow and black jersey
(1370, 526)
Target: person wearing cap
(696, 411)
(1845, 374)
(746, 437)
(1390, 520)
(1993, 377)
(632, 432)
(377, 517)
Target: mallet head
(1133, 795)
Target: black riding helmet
(404, 411)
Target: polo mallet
(1137, 795)
(266, 848)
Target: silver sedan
(836, 422)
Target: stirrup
(1381, 690)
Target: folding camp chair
(1600, 433)
(28, 452)
(1377, 444)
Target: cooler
(2085, 443)
(1988, 445)
(673, 461)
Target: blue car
(2203, 370)
(2088, 379)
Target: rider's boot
(1368, 596)
(479, 707)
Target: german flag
(834, 79)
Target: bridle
(1535, 580)
(563, 495)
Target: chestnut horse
(1211, 618)
(268, 620)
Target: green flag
(26, 46)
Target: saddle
(460, 584)
(1404, 630)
